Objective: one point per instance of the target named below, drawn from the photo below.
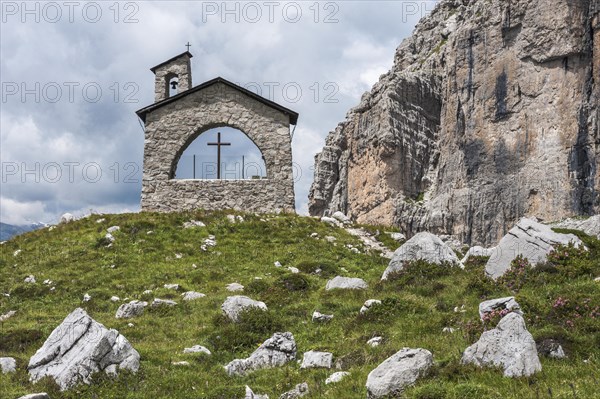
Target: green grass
(417, 305)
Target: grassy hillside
(151, 250)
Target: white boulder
(507, 304)
(234, 287)
(8, 365)
(192, 295)
(423, 246)
(509, 346)
(315, 359)
(346, 283)
(274, 352)
(336, 377)
(131, 309)
(368, 304)
(529, 239)
(80, 347)
(399, 371)
(234, 305)
(197, 349)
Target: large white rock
(314, 359)
(8, 365)
(530, 239)
(508, 303)
(398, 371)
(424, 246)
(299, 391)
(234, 305)
(274, 352)
(346, 283)
(340, 217)
(509, 346)
(131, 309)
(80, 347)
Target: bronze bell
(174, 85)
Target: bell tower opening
(172, 77)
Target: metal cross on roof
(219, 143)
(188, 45)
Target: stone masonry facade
(172, 124)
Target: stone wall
(173, 126)
(180, 68)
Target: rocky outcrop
(274, 352)
(79, 347)
(530, 239)
(490, 113)
(423, 246)
(509, 346)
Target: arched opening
(172, 86)
(223, 153)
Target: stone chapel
(174, 121)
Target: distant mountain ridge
(7, 231)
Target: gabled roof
(144, 111)
(154, 68)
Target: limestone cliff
(490, 113)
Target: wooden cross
(188, 45)
(219, 144)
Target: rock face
(346, 283)
(509, 346)
(398, 371)
(530, 239)
(590, 226)
(79, 347)
(490, 113)
(234, 305)
(424, 246)
(274, 352)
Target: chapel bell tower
(174, 74)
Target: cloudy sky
(74, 73)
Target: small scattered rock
(233, 287)
(192, 224)
(336, 377)
(319, 317)
(340, 217)
(115, 298)
(346, 283)
(234, 305)
(30, 279)
(315, 359)
(192, 295)
(113, 229)
(181, 363)
(87, 297)
(368, 304)
(17, 252)
(162, 302)
(101, 220)
(8, 365)
(274, 352)
(277, 263)
(551, 348)
(375, 341)
(131, 309)
(299, 391)
(147, 292)
(197, 349)
(449, 330)
(330, 239)
(109, 237)
(397, 236)
(397, 372)
(293, 270)
(172, 287)
(42, 395)
(7, 315)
